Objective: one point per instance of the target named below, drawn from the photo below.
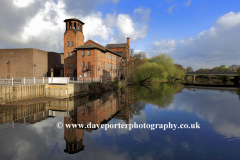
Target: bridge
(209, 74)
(212, 73)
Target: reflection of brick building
(28, 62)
(91, 59)
(73, 137)
(96, 112)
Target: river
(34, 131)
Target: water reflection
(218, 115)
(97, 111)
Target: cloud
(143, 13)
(205, 108)
(229, 20)
(170, 9)
(40, 24)
(188, 3)
(217, 45)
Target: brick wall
(21, 62)
(72, 39)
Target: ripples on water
(30, 132)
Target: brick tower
(73, 37)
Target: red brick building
(91, 59)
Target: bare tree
(189, 69)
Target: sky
(197, 33)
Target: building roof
(119, 52)
(119, 45)
(73, 19)
(88, 46)
(91, 45)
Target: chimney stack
(128, 41)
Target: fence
(44, 80)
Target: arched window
(70, 25)
(75, 27)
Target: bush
(115, 80)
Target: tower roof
(73, 19)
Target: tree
(179, 66)
(189, 69)
(200, 70)
(147, 72)
(233, 67)
(223, 68)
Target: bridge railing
(211, 72)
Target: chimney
(128, 41)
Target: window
(71, 65)
(108, 56)
(83, 111)
(75, 25)
(83, 53)
(108, 65)
(101, 64)
(78, 26)
(83, 64)
(71, 74)
(67, 43)
(71, 43)
(68, 74)
(101, 54)
(104, 65)
(68, 65)
(85, 74)
(71, 54)
(67, 54)
(88, 65)
(88, 53)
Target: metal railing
(44, 80)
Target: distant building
(91, 59)
(29, 62)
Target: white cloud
(188, 3)
(22, 3)
(95, 27)
(42, 25)
(229, 20)
(164, 46)
(217, 45)
(144, 13)
(170, 9)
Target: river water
(30, 131)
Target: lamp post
(8, 63)
(34, 75)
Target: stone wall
(23, 92)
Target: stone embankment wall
(23, 92)
(26, 92)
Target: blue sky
(192, 32)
